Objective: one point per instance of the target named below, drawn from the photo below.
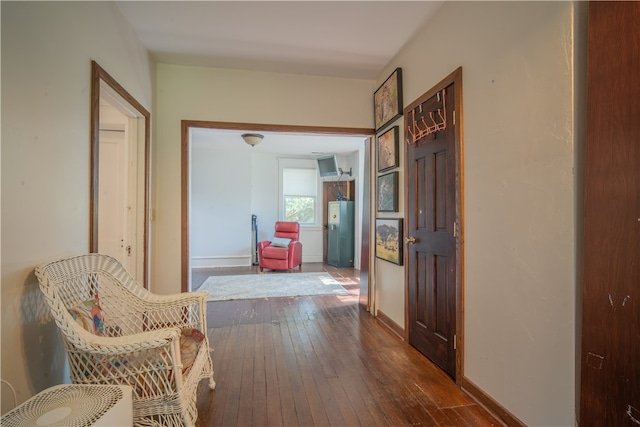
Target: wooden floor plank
(301, 402)
(304, 356)
(321, 361)
(259, 410)
(358, 384)
(248, 404)
(272, 394)
(229, 378)
(332, 407)
(285, 390)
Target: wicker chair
(133, 337)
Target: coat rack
(436, 122)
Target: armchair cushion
(275, 252)
(88, 314)
(280, 242)
(190, 340)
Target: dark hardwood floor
(320, 361)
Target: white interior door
(121, 188)
(112, 215)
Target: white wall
(519, 270)
(264, 192)
(225, 193)
(220, 225)
(192, 93)
(47, 48)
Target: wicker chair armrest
(183, 299)
(191, 307)
(148, 340)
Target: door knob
(410, 240)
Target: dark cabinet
(340, 235)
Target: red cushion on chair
(275, 252)
(288, 230)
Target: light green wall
(47, 48)
(519, 195)
(192, 93)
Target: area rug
(270, 285)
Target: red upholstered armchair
(284, 251)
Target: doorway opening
(119, 188)
(244, 160)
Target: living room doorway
(240, 165)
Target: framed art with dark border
(388, 192)
(388, 150)
(387, 100)
(389, 239)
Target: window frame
(299, 163)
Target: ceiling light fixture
(252, 139)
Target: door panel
(431, 218)
(434, 327)
(610, 373)
(112, 218)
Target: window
(299, 193)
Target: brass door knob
(410, 240)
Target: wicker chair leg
(212, 383)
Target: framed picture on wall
(389, 239)
(387, 100)
(388, 150)
(388, 192)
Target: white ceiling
(354, 39)
(351, 39)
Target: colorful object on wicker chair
(88, 314)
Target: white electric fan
(74, 405)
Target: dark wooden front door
(431, 224)
(610, 372)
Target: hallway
(321, 361)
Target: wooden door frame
(607, 261)
(98, 75)
(456, 79)
(186, 125)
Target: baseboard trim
(220, 261)
(490, 404)
(390, 324)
